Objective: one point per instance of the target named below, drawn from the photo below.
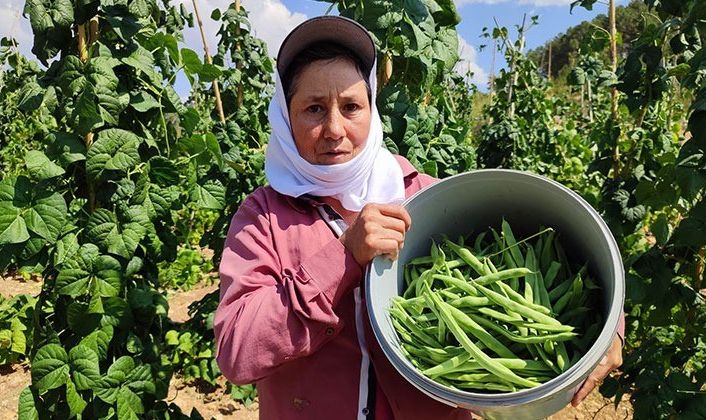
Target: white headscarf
(373, 176)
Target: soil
(213, 401)
(13, 285)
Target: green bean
(559, 290)
(479, 241)
(453, 281)
(449, 365)
(516, 307)
(415, 352)
(421, 260)
(563, 336)
(521, 365)
(501, 276)
(546, 257)
(467, 344)
(562, 357)
(473, 377)
(543, 355)
(470, 301)
(512, 244)
(538, 281)
(448, 294)
(479, 332)
(467, 256)
(510, 293)
(551, 273)
(399, 313)
(569, 295)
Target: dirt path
(11, 285)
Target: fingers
(396, 212)
(594, 380)
(612, 360)
(379, 229)
(591, 383)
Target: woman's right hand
(379, 229)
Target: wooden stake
(549, 65)
(492, 68)
(237, 64)
(216, 90)
(613, 89)
(515, 76)
(86, 36)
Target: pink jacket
(291, 318)
(287, 317)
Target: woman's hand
(612, 360)
(379, 229)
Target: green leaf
(140, 8)
(660, 229)
(89, 269)
(692, 230)
(143, 61)
(143, 102)
(13, 229)
(19, 340)
(174, 100)
(67, 148)
(76, 403)
(119, 237)
(209, 195)
(84, 367)
(191, 61)
(163, 171)
(17, 190)
(115, 150)
(50, 368)
(40, 167)
(209, 73)
(171, 338)
(39, 16)
(204, 147)
(47, 216)
(66, 248)
(98, 341)
(129, 405)
(125, 24)
(27, 407)
(31, 96)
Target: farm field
(211, 401)
(124, 153)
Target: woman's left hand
(612, 360)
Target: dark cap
(337, 29)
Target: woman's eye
(314, 109)
(351, 107)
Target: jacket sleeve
(269, 314)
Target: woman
(291, 317)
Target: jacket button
(366, 411)
(330, 331)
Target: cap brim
(338, 29)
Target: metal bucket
(471, 202)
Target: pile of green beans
(498, 316)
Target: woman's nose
(334, 125)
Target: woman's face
(330, 112)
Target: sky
(273, 19)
